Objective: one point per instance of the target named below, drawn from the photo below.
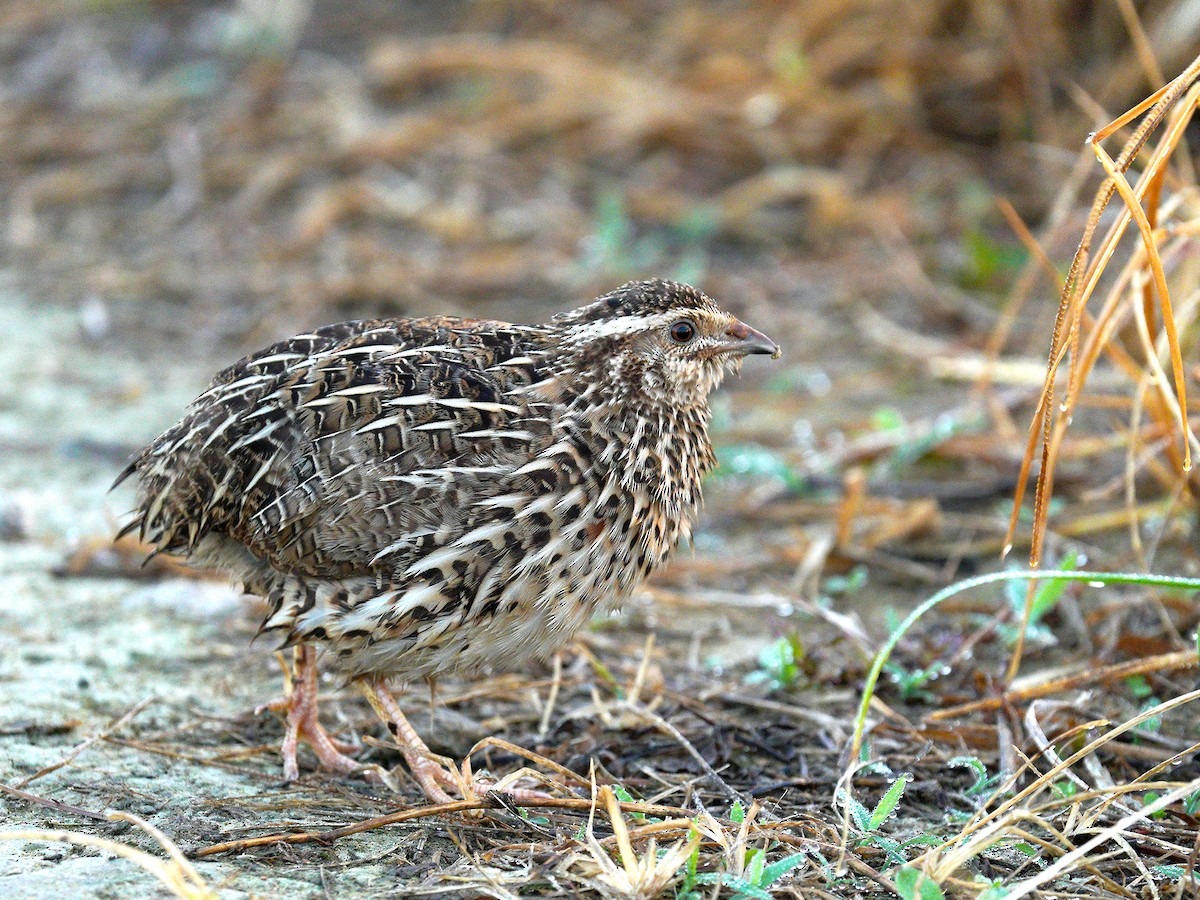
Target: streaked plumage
(420, 496)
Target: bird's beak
(742, 340)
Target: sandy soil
(173, 656)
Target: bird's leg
(425, 766)
(432, 773)
(300, 706)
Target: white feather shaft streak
(411, 400)
(463, 403)
(383, 422)
(263, 432)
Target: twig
(424, 812)
(53, 804)
(1166, 662)
(115, 725)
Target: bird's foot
(441, 781)
(304, 726)
(436, 775)
(299, 707)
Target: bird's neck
(651, 449)
(652, 444)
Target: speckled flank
(429, 495)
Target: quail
(415, 497)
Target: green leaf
(1152, 724)
(1150, 797)
(1064, 788)
(779, 868)
(913, 884)
(888, 802)
(973, 763)
(887, 418)
(1191, 805)
(890, 847)
(989, 262)
(622, 793)
(941, 429)
(779, 662)
(995, 890)
(1168, 871)
(1047, 595)
(613, 229)
(849, 583)
(743, 887)
(983, 782)
(753, 869)
(922, 840)
(737, 813)
(791, 64)
(859, 813)
(1139, 686)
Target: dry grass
(232, 177)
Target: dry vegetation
(228, 175)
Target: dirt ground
(85, 644)
(183, 183)
(83, 650)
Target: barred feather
(421, 495)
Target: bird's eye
(683, 331)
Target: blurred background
(184, 182)
(225, 173)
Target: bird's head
(662, 339)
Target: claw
(436, 775)
(303, 724)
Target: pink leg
(427, 768)
(300, 707)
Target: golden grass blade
(176, 874)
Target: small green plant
(1064, 789)
(1176, 873)
(622, 794)
(897, 633)
(1045, 598)
(613, 245)
(984, 783)
(686, 889)
(752, 884)
(850, 583)
(532, 819)
(1191, 805)
(911, 682)
(1150, 797)
(994, 889)
(779, 663)
(1139, 687)
(887, 418)
(868, 822)
(752, 461)
(913, 884)
(791, 64)
(1152, 724)
(990, 264)
(747, 873)
(922, 442)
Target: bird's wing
(325, 451)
